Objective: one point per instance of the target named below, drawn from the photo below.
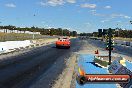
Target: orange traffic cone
(97, 52)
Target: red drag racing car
(63, 42)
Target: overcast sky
(80, 15)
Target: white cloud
(127, 17)
(116, 15)
(93, 12)
(43, 22)
(71, 1)
(88, 23)
(119, 21)
(104, 21)
(120, 15)
(107, 7)
(56, 2)
(110, 16)
(11, 5)
(86, 5)
(52, 2)
(42, 3)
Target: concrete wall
(16, 31)
(5, 46)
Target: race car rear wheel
(68, 47)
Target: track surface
(22, 70)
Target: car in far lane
(63, 42)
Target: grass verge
(101, 62)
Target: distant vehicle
(63, 42)
(127, 43)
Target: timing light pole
(109, 45)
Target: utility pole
(49, 32)
(130, 23)
(62, 32)
(34, 29)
